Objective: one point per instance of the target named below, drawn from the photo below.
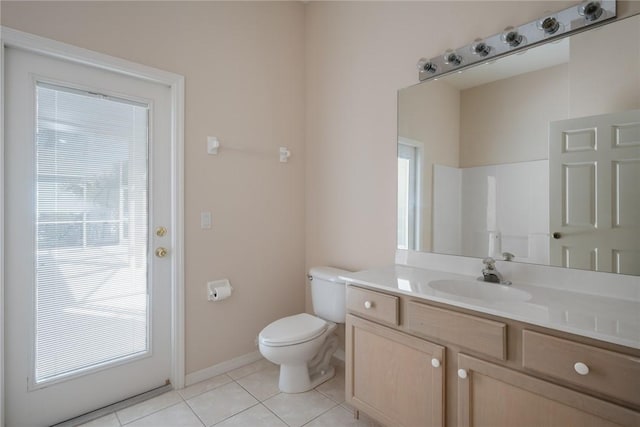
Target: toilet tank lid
(330, 274)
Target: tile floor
(247, 396)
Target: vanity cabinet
(491, 395)
(498, 372)
(394, 377)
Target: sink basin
(479, 290)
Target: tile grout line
(118, 418)
(194, 412)
(328, 397)
(321, 414)
(251, 394)
(276, 415)
(199, 394)
(233, 415)
(258, 402)
(261, 402)
(206, 391)
(150, 413)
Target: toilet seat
(292, 330)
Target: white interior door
(88, 176)
(594, 178)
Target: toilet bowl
(303, 344)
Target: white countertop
(608, 319)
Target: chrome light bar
(511, 40)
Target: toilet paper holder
(218, 290)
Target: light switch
(205, 220)
(212, 145)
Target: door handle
(161, 231)
(161, 252)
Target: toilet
(303, 344)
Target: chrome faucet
(490, 274)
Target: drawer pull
(368, 304)
(581, 368)
(462, 373)
(435, 363)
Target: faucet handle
(508, 256)
(489, 262)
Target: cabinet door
(490, 395)
(394, 377)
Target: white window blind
(91, 231)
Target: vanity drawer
(481, 335)
(375, 305)
(611, 373)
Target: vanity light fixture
(591, 10)
(554, 25)
(549, 25)
(427, 66)
(512, 38)
(452, 58)
(480, 48)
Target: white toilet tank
(328, 293)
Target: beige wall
(429, 114)
(243, 64)
(604, 80)
(507, 121)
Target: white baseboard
(221, 368)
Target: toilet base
(295, 379)
(319, 378)
(305, 376)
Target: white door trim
(18, 39)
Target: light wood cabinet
(491, 395)
(515, 374)
(394, 377)
(376, 306)
(486, 337)
(602, 371)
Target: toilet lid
(292, 330)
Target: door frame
(44, 46)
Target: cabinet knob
(462, 373)
(368, 304)
(435, 363)
(581, 368)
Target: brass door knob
(161, 231)
(161, 252)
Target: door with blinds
(88, 177)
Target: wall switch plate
(205, 220)
(212, 145)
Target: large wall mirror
(535, 156)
